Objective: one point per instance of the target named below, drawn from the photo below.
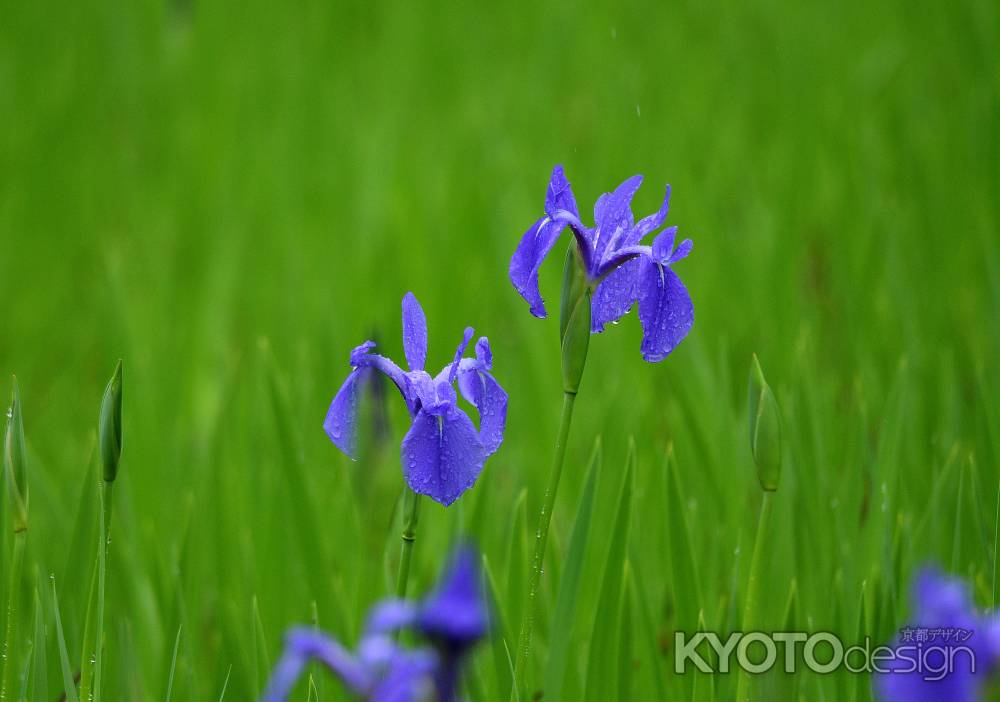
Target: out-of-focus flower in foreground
(619, 269)
(451, 621)
(443, 452)
(955, 656)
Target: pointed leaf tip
(765, 428)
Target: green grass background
(230, 196)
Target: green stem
(9, 649)
(411, 513)
(541, 538)
(103, 548)
(752, 601)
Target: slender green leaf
(602, 666)
(566, 610)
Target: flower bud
(765, 429)
(574, 321)
(110, 428)
(15, 461)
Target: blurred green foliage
(231, 196)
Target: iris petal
(341, 423)
(442, 455)
(665, 310)
(615, 295)
(414, 332)
(484, 393)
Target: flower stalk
(574, 327)
(765, 447)
(411, 514)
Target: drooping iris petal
(527, 260)
(615, 217)
(615, 295)
(665, 310)
(414, 332)
(442, 455)
(303, 645)
(341, 423)
(484, 393)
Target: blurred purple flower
(453, 619)
(945, 603)
(621, 270)
(443, 452)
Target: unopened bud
(574, 321)
(110, 429)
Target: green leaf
(517, 559)
(110, 425)
(69, 684)
(503, 665)
(684, 580)
(173, 664)
(626, 674)
(39, 664)
(261, 659)
(602, 662)
(566, 612)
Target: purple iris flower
(453, 619)
(621, 271)
(443, 452)
(942, 603)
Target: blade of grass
(225, 683)
(261, 659)
(569, 586)
(39, 665)
(501, 654)
(69, 685)
(601, 663)
(625, 668)
(173, 664)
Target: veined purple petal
(665, 310)
(559, 195)
(341, 423)
(620, 257)
(663, 245)
(615, 295)
(616, 218)
(442, 455)
(527, 259)
(414, 332)
(484, 393)
(459, 352)
(303, 645)
(483, 353)
(682, 250)
(648, 224)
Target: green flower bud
(110, 428)
(574, 321)
(765, 429)
(15, 461)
